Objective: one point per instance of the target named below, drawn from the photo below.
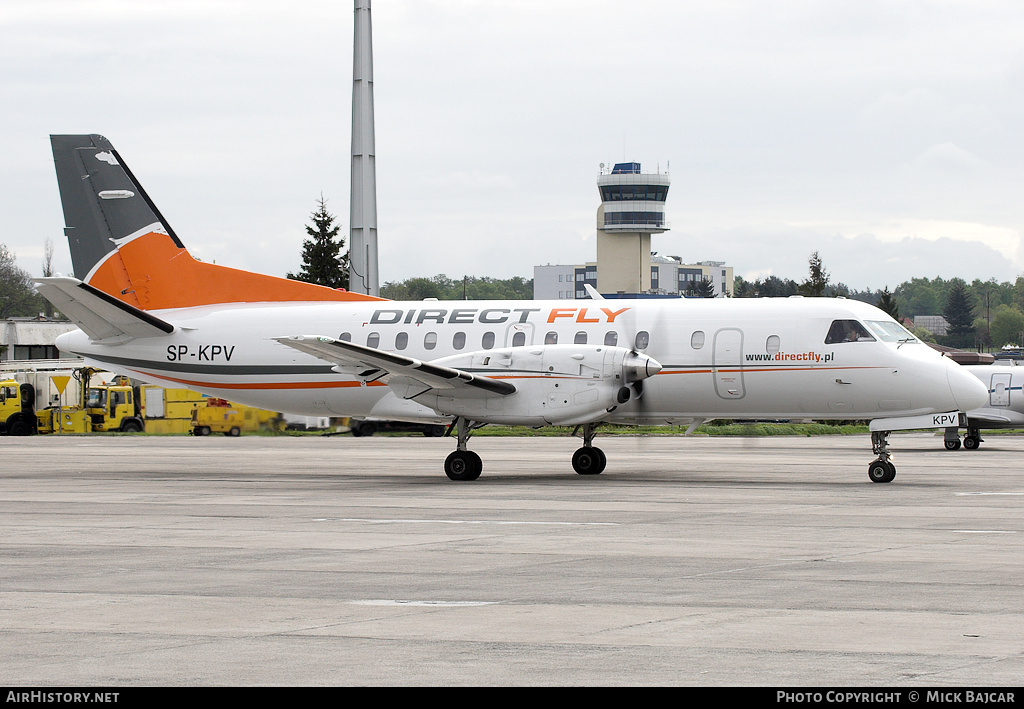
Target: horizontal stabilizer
(101, 316)
(397, 370)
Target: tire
(233, 432)
(971, 443)
(953, 445)
(131, 427)
(463, 466)
(881, 471)
(18, 426)
(589, 461)
(202, 431)
(363, 429)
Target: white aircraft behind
(1003, 408)
(148, 309)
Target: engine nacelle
(555, 384)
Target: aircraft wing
(101, 316)
(407, 376)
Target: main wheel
(463, 465)
(953, 445)
(881, 471)
(971, 443)
(589, 461)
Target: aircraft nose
(967, 390)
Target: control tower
(632, 208)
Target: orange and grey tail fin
(122, 245)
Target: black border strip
(142, 315)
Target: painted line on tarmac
(466, 521)
(384, 602)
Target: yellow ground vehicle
(118, 405)
(220, 416)
(16, 415)
(112, 407)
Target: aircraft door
(999, 390)
(727, 363)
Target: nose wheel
(882, 471)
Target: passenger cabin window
(551, 338)
(519, 339)
(488, 340)
(611, 338)
(459, 340)
(430, 340)
(401, 340)
(773, 344)
(847, 331)
(580, 339)
(697, 339)
(643, 338)
(373, 340)
(345, 337)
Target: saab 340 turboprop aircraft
(147, 309)
(1003, 407)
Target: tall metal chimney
(362, 252)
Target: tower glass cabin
(632, 208)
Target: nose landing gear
(882, 469)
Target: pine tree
(705, 288)
(322, 260)
(887, 303)
(816, 284)
(959, 314)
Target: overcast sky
(885, 135)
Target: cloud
(948, 156)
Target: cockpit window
(888, 331)
(847, 331)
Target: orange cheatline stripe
(262, 385)
(351, 384)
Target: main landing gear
(589, 460)
(972, 441)
(463, 464)
(882, 469)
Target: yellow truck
(16, 415)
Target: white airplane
(146, 308)
(1003, 408)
